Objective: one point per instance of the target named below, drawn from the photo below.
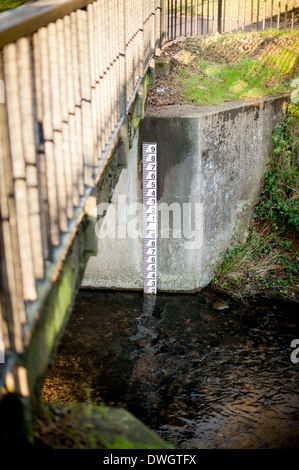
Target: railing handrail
(28, 18)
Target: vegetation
(89, 426)
(263, 63)
(268, 262)
(279, 199)
(207, 70)
(8, 4)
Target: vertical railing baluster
(77, 101)
(39, 141)
(186, 16)
(29, 147)
(264, 15)
(59, 154)
(97, 54)
(122, 51)
(181, 18)
(13, 306)
(71, 110)
(13, 82)
(101, 76)
(104, 54)
(114, 63)
(224, 16)
(47, 131)
(175, 17)
(278, 15)
(127, 54)
(117, 62)
(109, 83)
(191, 22)
(85, 92)
(90, 40)
(213, 17)
(168, 19)
(219, 18)
(65, 131)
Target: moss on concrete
(93, 427)
(163, 66)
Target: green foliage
(8, 4)
(279, 199)
(268, 262)
(222, 82)
(264, 264)
(238, 66)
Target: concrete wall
(211, 161)
(119, 263)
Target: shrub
(279, 199)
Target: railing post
(163, 22)
(122, 42)
(219, 16)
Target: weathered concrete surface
(119, 263)
(89, 426)
(212, 159)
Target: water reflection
(197, 370)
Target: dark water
(196, 374)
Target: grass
(279, 200)
(206, 80)
(8, 4)
(264, 265)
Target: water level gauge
(149, 180)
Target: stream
(201, 370)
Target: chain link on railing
(69, 81)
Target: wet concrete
(200, 370)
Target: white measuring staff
(149, 180)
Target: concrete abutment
(211, 162)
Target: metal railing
(192, 17)
(70, 70)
